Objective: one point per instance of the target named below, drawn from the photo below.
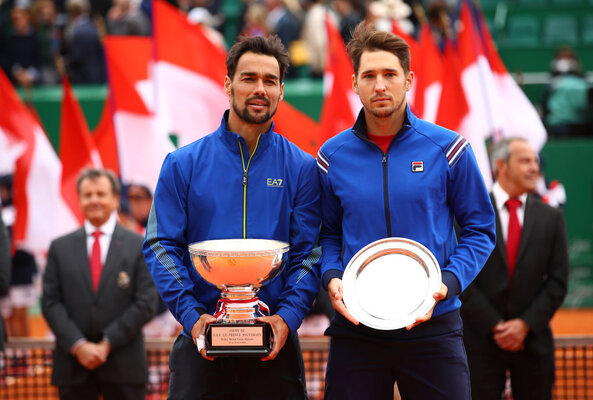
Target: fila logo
(275, 182)
(417, 166)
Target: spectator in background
(349, 15)
(97, 295)
(20, 51)
(21, 294)
(50, 35)
(314, 35)
(138, 203)
(255, 20)
(507, 309)
(4, 274)
(568, 99)
(283, 21)
(83, 52)
(125, 18)
(438, 14)
(201, 16)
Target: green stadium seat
(488, 5)
(523, 30)
(587, 37)
(533, 3)
(561, 30)
(565, 3)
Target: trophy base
(238, 339)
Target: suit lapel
(500, 243)
(81, 253)
(114, 255)
(529, 222)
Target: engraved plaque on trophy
(239, 268)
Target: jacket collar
(360, 129)
(231, 139)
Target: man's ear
(409, 80)
(354, 84)
(281, 91)
(227, 85)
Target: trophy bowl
(238, 268)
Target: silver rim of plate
(390, 282)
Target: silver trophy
(239, 268)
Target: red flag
(189, 78)
(520, 116)
(341, 104)
(453, 106)
(428, 78)
(104, 138)
(41, 213)
(414, 61)
(77, 149)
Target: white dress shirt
(501, 197)
(104, 240)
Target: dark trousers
(91, 390)
(532, 376)
(228, 378)
(433, 368)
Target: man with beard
(395, 175)
(241, 181)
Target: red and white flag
(104, 138)
(41, 212)
(341, 104)
(454, 111)
(77, 149)
(519, 115)
(481, 91)
(428, 75)
(141, 146)
(189, 72)
(189, 75)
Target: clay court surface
(567, 321)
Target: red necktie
(514, 234)
(95, 260)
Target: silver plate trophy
(239, 268)
(390, 282)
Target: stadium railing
(26, 363)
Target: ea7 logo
(417, 166)
(275, 182)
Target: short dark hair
(270, 46)
(94, 173)
(366, 38)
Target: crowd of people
(40, 37)
(391, 174)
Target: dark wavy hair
(270, 46)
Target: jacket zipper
(244, 182)
(386, 195)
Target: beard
(250, 117)
(386, 112)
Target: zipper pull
(244, 178)
(384, 158)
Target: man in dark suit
(97, 295)
(507, 309)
